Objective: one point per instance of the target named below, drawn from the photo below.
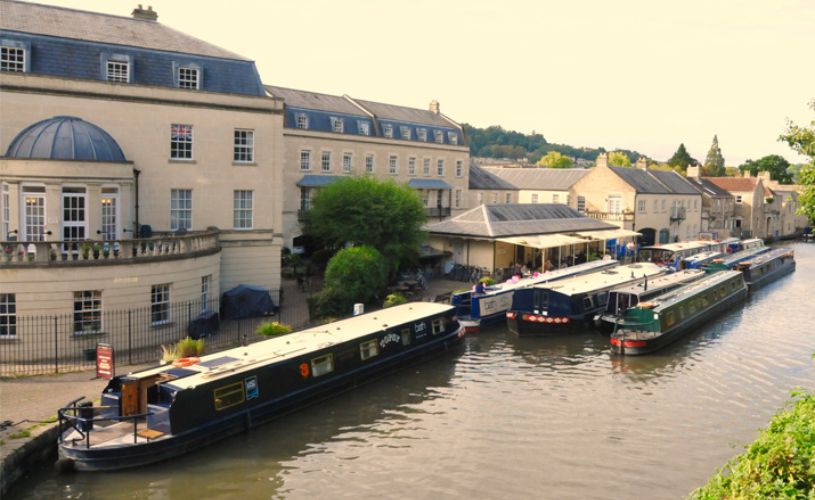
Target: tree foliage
(619, 159)
(553, 159)
(356, 274)
(681, 159)
(365, 211)
(714, 161)
(774, 164)
(802, 140)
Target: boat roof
(772, 254)
(241, 359)
(552, 276)
(661, 281)
(664, 301)
(682, 245)
(603, 279)
(742, 254)
(702, 256)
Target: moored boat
(700, 260)
(158, 413)
(672, 254)
(730, 261)
(570, 304)
(476, 309)
(766, 267)
(623, 298)
(656, 323)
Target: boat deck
(114, 435)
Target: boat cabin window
(670, 319)
(228, 396)
(368, 349)
(541, 300)
(406, 336)
(438, 326)
(322, 365)
(587, 303)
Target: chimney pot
(602, 160)
(434, 106)
(147, 14)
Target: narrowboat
(730, 261)
(651, 325)
(476, 309)
(767, 267)
(700, 260)
(570, 304)
(158, 413)
(672, 254)
(623, 298)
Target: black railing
(49, 343)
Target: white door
(74, 214)
(33, 213)
(110, 214)
(615, 204)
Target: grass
(25, 433)
(779, 464)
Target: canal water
(503, 417)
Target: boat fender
(304, 370)
(182, 362)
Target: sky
(641, 75)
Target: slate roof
(543, 179)
(708, 188)
(404, 114)
(482, 178)
(103, 28)
(428, 184)
(317, 180)
(518, 219)
(677, 184)
(641, 180)
(315, 100)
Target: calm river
(503, 417)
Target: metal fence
(67, 342)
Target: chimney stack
(602, 160)
(434, 106)
(693, 171)
(642, 163)
(144, 14)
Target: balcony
(677, 214)
(437, 212)
(17, 254)
(612, 216)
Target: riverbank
(779, 464)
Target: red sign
(104, 361)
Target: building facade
(526, 185)
(328, 137)
(718, 206)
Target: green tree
(365, 211)
(619, 159)
(774, 164)
(554, 159)
(714, 161)
(681, 158)
(356, 274)
(802, 141)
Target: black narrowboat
(651, 325)
(767, 267)
(623, 298)
(158, 413)
(730, 261)
(569, 305)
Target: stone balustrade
(94, 252)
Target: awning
(428, 184)
(313, 180)
(544, 240)
(608, 234)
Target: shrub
(189, 347)
(272, 328)
(356, 274)
(394, 299)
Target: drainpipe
(136, 173)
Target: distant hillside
(496, 142)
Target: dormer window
(189, 78)
(336, 124)
(404, 132)
(363, 127)
(387, 131)
(118, 71)
(301, 120)
(452, 137)
(439, 136)
(12, 59)
(421, 133)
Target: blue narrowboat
(767, 267)
(158, 413)
(651, 325)
(476, 309)
(570, 304)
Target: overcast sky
(643, 75)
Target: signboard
(104, 361)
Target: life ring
(304, 370)
(182, 362)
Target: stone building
(749, 195)
(718, 205)
(526, 185)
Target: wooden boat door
(130, 397)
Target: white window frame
(459, 168)
(426, 167)
(363, 127)
(457, 198)
(13, 59)
(347, 162)
(301, 121)
(90, 305)
(8, 316)
(117, 70)
(387, 130)
(206, 283)
(368, 349)
(180, 216)
(305, 159)
(40, 194)
(581, 204)
(393, 164)
(322, 365)
(188, 77)
(440, 167)
(181, 142)
(370, 163)
(404, 132)
(243, 146)
(5, 211)
(641, 206)
(325, 161)
(421, 134)
(412, 166)
(337, 124)
(738, 199)
(243, 209)
(452, 137)
(439, 136)
(110, 193)
(160, 297)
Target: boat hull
(787, 268)
(524, 328)
(135, 455)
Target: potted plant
(97, 249)
(394, 299)
(272, 328)
(86, 250)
